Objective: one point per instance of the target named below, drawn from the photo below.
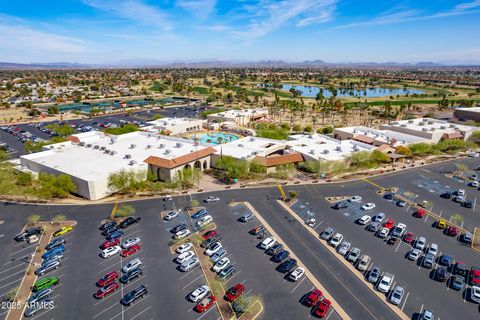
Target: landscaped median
(340, 311)
(30, 277)
(349, 266)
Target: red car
(110, 243)
(209, 234)
(313, 297)
(234, 292)
(131, 250)
(104, 291)
(108, 278)
(408, 237)
(419, 214)
(389, 224)
(474, 276)
(452, 231)
(322, 308)
(205, 304)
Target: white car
(189, 264)
(268, 243)
(475, 294)
(111, 251)
(385, 282)
(132, 264)
(211, 199)
(414, 254)
(221, 264)
(344, 247)
(185, 257)
(365, 220)
(184, 247)
(336, 240)
(296, 274)
(368, 206)
(420, 243)
(130, 242)
(182, 234)
(204, 221)
(383, 233)
(379, 217)
(213, 248)
(199, 293)
(355, 199)
(433, 249)
(171, 215)
(399, 230)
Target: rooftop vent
(128, 156)
(178, 145)
(443, 127)
(168, 151)
(312, 151)
(96, 147)
(403, 125)
(432, 129)
(133, 146)
(424, 129)
(421, 123)
(240, 145)
(430, 122)
(103, 148)
(410, 121)
(252, 139)
(326, 151)
(132, 162)
(161, 145)
(452, 126)
(338, 148)
(106, 151)
(356, 148)
(113, 152)
(89, 145)
(424, 120)
(82, 143)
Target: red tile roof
(279, 160)
(363, 138)
(176, 162)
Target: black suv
(179, 227)
(136, 294)
(27, 233)
(110, 230)
(340, 205)
(129, 221)
(446, 195)
(132, 274)
(107, 225)
(287, 265)
(281, 256)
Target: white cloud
(269, 15)
(135, 10)
(199, 8)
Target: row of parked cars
(132, 270)
(21, 134)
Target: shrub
(125, 128)
(124, 210)
(308, 129)
(327, 130)
(404, 151)
(297, 128)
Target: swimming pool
(216, 137)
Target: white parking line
(399, 244)
(203, 315)
(15, 252)
(9, 276)
(318, 225)
(104, 310)
(141, 312)
(121, 313)
(236, 273)
(188, 273)
(297, 285)
(329, 314)
(188, 284)
(110, 267)
(405, 301)
(11, 268)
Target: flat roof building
(376, 137)
(174, 126)
(90, 157)
(464, 114)
(431, 129)
(241, 117)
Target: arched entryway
(205, 165)
(197, 165)
(187, 166)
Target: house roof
(453, 135)
(279, 160)
(364, 138)
(175, 162)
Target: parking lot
(421, 291)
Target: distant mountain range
(212, 63)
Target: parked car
(379, 217)
(296, 274)
(441, 274)
(336, 240)
(45, 283)
(63, 230)
(134, 295)
(234, 292)
(281, 256)
(374, 275)
(203, 221)
(428, 261)
(55, 243)
(218, 255)
(426, 315)
(182, 234)
(374, 226)
(475, 294)
(27, 233)
(474, 276)
(54, 251)
(114, 235)
(130, 242)
(368, 206)
(313, 297)
(408, 237)
(401, 203)
(110, 230)
(355, 199)
(184, 248)
(441, 224)
(344, 247)
(389, 224)
(363, 263)
(466, 237)
(205, 304)
(385, 282)
(246, 217)
(209, 234)
(213, 248)
(446, 195)
(130, 275)
(221, 264)
(445, 260)
(32, 308)
(399, 230)
(129, 221)
(420, 213)
(171, 215)
(110, 251)
(211, 199)
(179, 227)
(257, 230)
(397, 295)
(190, 264)
(452, 231)
(44, 268)
(468, 204)
(432, 249)
(184, 257)
(414, 254)
(267, 243)
(276, 248)
(288, 265)
(340, 205)
(327, 234)
(108, 278)
(106, 290)
(364, 220)
(322, 308)
(353, 255)
(199, 293)
(132, 264)
(383, 233)
(39, 295)
(457, 282)
(227, 272)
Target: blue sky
(103, 31)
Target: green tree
(233, 168)
(59, 218)
(34, 218)
(379, 157)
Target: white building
(321, 147)
(174, 126)
(376, 137)
(464, 114)
(240, 117)
(90, 157)
(431, 129)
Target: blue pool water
(213, 137)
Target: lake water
(312, 91)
